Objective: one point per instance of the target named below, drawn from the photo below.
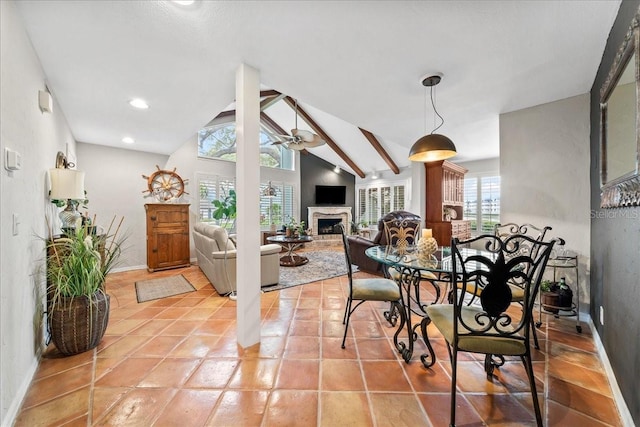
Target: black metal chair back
(368, 289)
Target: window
(219, 142)
(212, 187)
(482, 203)
(272, 209)
(376, 201)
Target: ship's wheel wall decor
(165, 185)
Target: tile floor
(175, 361)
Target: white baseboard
(16, 403)
(625, 415)
(129, 268)
(193, 261)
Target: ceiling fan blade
(304, 135)
(296, 146)
(317, 141)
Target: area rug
(162, 287)
(322, 265)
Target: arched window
(219, 142)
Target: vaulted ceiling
(354, 66)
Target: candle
(426, 233)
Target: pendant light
(434, 146)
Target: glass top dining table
(410, 271)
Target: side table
(562, 262)
(290, 244)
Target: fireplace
(329, 225)
(324, 221)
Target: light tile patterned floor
(175, 362)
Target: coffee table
(291, 244)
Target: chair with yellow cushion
(491, 325)
(370, 289)
(402, 233)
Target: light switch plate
(12, 160)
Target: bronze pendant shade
(434, 146)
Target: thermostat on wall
(12, 160)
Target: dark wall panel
(615, 249)
(315, 171)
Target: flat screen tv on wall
(331, 194)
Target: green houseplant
(77, 302)
(225, 210)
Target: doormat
(148, 290)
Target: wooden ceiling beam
(270, 92)
(225, 114)
(381, 151)
(317, 129)
(268, 102)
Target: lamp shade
(432, 147)
(66, 184)
(269, 191)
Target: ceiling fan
(299, 138)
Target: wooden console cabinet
(445, 191)
(167, 236)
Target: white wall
(114, 185)
(481, 167)
(37, 137)
(544, 169)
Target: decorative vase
(78, 324)
(426, 248)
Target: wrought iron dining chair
(490, 324)
(504, 231)
(370, 289)
(402, 233)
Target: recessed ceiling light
(139, 103)
(128, 140)
(184, 2)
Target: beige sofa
(216, 254)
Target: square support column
(248, 204)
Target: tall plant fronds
(78, 263)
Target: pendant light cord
(433, 104)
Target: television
(331, 194)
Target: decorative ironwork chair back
(509, 262)
(510, 229)
(401, 233)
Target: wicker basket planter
(78, 324)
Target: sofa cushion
(217, 233)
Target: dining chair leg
(535, 335)
(346, 322)
(526, 359)
(454, 370)
(346, 310)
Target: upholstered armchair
(216, 254)
(358, 244)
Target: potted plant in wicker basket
(77, 303)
